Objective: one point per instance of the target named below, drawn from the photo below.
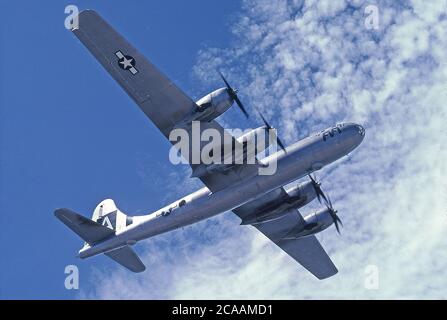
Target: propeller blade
(225, 80)
(314, 184)
(320, 194)
(330, 203)
(323, 195)
(318, 197)
(279, 143)
(336, 226)
(338, 219)
(265, 121)
(241, 106)
(233, 94)
(269, 127)
(334, 216)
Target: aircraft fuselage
(303, 157)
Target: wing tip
(139, 270)
(60, 213)
(84, 14)
(88, 12)
(327, 275)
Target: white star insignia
(127, 63)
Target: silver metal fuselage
(301, 158)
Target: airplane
(264, 201)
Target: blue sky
(70, 137)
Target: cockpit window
(361, 130)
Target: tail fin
(108, 215)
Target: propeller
(334, 216)
(317, 188)
(233, 94)
(269, 127)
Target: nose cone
(356, 134)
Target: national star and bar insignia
(126, 62)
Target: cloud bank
(308, 65)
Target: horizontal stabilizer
(90, 231)
(126, 257)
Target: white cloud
(307, 66)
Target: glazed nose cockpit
(354, 129)
(360, 130)
(354, 134)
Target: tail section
(106, 219)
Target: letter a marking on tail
(106, 222)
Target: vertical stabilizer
(108, 215)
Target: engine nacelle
(253, 142)
(297, 197)
(315, 223)
(256, 141)
(301, 194)
(213, 105)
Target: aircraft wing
(306, 250)
(155, 94)
(160, 99)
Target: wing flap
(126, 257)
